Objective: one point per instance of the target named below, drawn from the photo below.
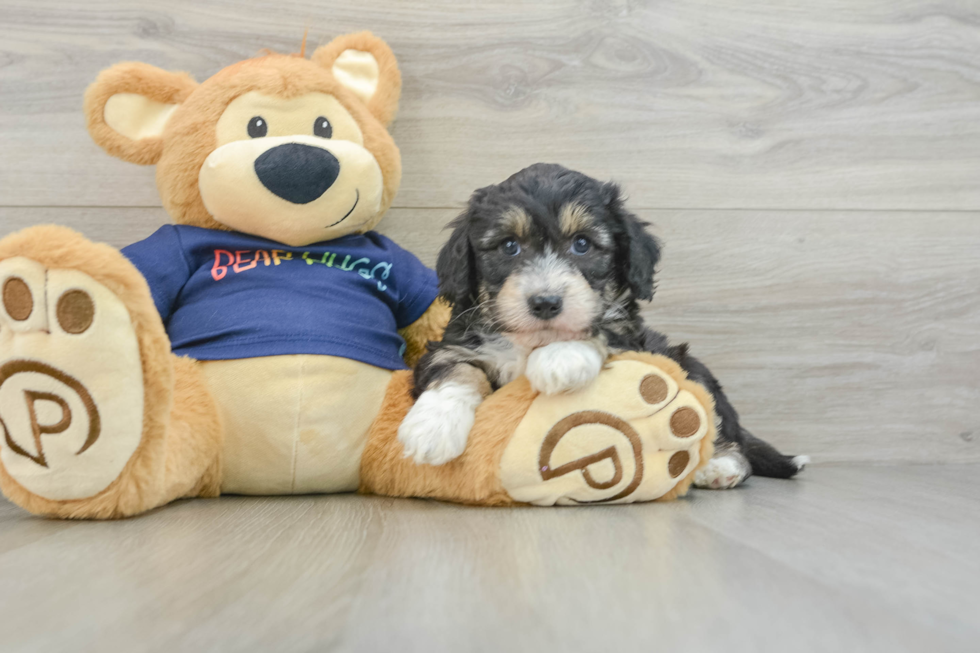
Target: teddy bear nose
(297, 173)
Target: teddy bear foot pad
(71, 390)
(636, 434)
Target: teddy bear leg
(98, 418)
(638, 433)
(195, 436)
(473, 477)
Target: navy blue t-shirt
(225, 295)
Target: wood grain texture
(804, 565)
(850, 336)
(844, 104)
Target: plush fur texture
(189, 135)
(474, 477)
(195, 437)
(424, 330)
(166, 118)
(142, 79)
(163, 466)
(384, 103)
(684, 381)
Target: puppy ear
(366, 66)
(640, 250)
(644, 254)
(127, 108)
(455, 265)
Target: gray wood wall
(812, 165)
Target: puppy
(544, 272)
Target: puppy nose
(297, 173)
(545, 307)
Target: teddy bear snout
(296, 172)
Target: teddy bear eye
(322, 128)
(258, 127)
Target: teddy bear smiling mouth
(357, 198)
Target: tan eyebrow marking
(574, 218)
(516, 220)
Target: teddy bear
(261, 343)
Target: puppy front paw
(437, 427)
(563, 366)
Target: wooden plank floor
(846, 558)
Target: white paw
(563, 366)
(801, 462)
(722, 472)
(71, 381)
(436, 429)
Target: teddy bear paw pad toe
(71, 391)
(632, 435)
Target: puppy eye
(581, 245)
(510, 247)
(322, 128)
(257, 127)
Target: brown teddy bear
(259, 345)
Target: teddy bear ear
(127, 108)
(365, 65)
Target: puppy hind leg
(766, 459)
(726, 469)
(748, 454)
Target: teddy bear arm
(160, 260)
(428, 327)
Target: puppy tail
(767, 461)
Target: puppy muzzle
(545, 307)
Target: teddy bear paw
(634, 434)
(71, 391)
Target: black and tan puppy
(544, 272)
